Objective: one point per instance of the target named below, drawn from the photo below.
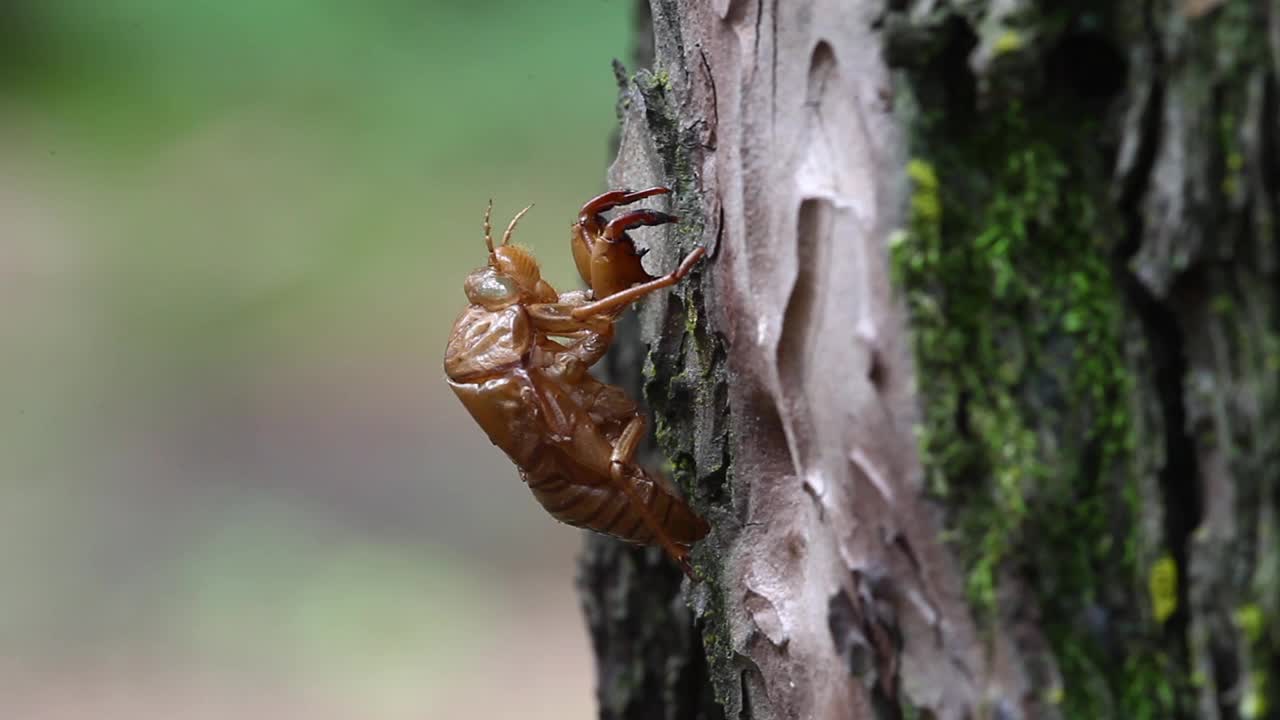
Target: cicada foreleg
(617, 228)
(614, 198)
(618, 301)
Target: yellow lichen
(1008, 42)
(925, 200)
(1163, 584)
(1249, 621)
(1253, 703)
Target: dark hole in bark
(1087, 64)
(959, 86)
(846, 633)
(1178, 484)
(878, 372)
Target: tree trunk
(978, 389)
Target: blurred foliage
(318, 146)
(234, 235)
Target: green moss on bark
(1005, 269)
(1006, 265)
(685, 386)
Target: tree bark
(978, 388)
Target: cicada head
(512, 275)
(518, 264)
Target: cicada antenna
(506, 236)
(488, 229)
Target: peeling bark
(978, 389)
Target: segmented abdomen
(600, 507)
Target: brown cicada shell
(518, 360)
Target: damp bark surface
(978, 386)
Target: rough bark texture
(979, 387)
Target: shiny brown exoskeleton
(573, 438)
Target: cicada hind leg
(672, 524)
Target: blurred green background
(232, 238)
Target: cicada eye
(490, 288)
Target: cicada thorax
(485, 341)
